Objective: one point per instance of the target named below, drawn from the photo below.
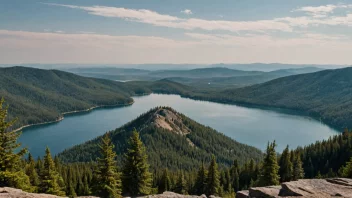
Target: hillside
(172, 140)
(326, 95)
(36, 95)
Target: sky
(175, 31)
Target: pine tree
(31, 172)
(213, 182)
(347, 170)
(181, 185)
(71, 190)
(270, 170)
(50, 178)
(165, 182)
(137, 179)
(11, 172)
(298, 172)
(201, 181)
(109, 182)
(286, 167)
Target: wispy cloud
(187, 11)
(164, 20)
(321, 11)
(24, 46)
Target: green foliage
(31, 172)
(298, 172)
(201, 181)
(270, 171)
(50, 177)
(213, 182)
(108, 178)
(347, 170)
(181, 185)
(11, 172)
(286, 166)
(137, 179)
(165, 182)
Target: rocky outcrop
(16, 193)
(311, 188)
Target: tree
(31, 172)
(286, 168)
(50, 177)
(165, 182)
(213, 181)
(201, 181)
(347, 170)
(270, 170)
(181, 185)
(108, 178)
(137, 179)
(298, 172)
(11, 172)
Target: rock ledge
(311, 188)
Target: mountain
(36, 95)
(327, 95)
(172, 140)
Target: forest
(133, 174)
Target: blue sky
(175, 31)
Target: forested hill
(172, 140)
(36, 95)
(326, 94)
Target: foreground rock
(16, 193)
(311, 188)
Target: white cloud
(187, 11)
(163, 20)
(45, 47)
(321, 11)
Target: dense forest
(173, 141)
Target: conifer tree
(201, 181)
(165, 182)
(236, 181)
(11, 172)
(71, 190)
(108, 178)
(213, 182)
(270, 170)
(286, 167)
(347, 170)
(298, 172)
(31, 172)
(181, 185)
(50, 178)
(137, 179)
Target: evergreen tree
(137, 179)
(165, 182)
(11, 172)
(71, 190)
(347, 170)
(213, 182)
(109, 182)
(50, 177)
(270, 170)
(181, 185)
(236, 181)
(31, 172)
(286, 167)
(298, 172)
(201, 181)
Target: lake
(251, 126)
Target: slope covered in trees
(172, 140)
(326, 95)
(36, 95)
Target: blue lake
(246, 125)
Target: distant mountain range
(173, 141)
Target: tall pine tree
(298, 172)
(108, 178)
(165, 182)
(11, 172)
(286, 167)
(201, 181)
(32, 173)
(270, 170)
(50, 177)
(137, 179)
(213, 178)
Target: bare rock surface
(168, 194)
(311, 188)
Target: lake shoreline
(72, 112)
